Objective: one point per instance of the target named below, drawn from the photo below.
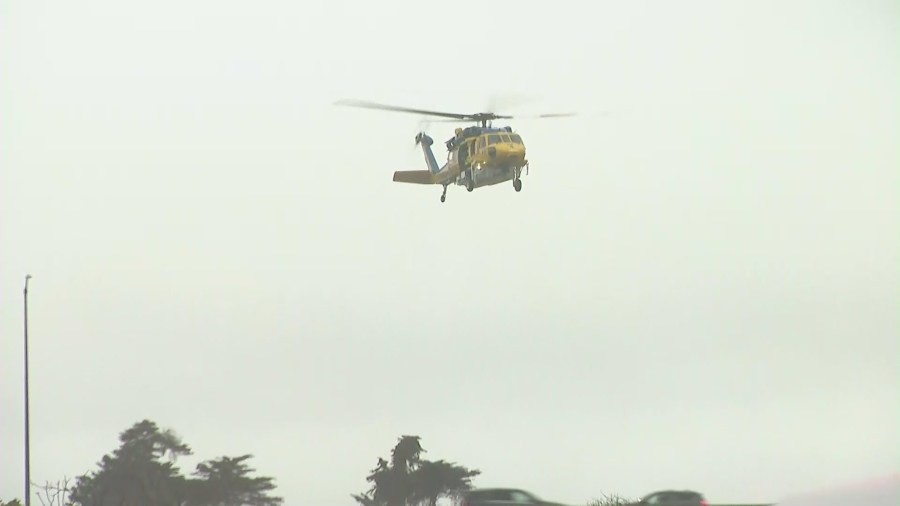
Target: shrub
(610, 500)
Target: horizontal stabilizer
(415, 176)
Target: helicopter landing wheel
(517, 184)
(470, 185)
(444, 195)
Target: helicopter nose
(507, 152)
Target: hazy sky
(698, 290)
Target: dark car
(502, 497)
(674, 498)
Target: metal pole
(27, 436)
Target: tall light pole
(27, 437)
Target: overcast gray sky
(698, 290)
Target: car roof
(496, 489)
(482, 489)
(691, 492)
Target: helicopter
(477, 156)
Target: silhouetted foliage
(13, 502)
(408, 480)
(405, 455)
(226, 481)
(610, 500)
(435, 479)
(135, 473)
(142, 471)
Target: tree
(135, 473)
(435, 479)
(54, 494)
(410, 481)
(142, 472)
(13, 502)
(227, 482)
(387, 488)
(405, 455)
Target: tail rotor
(422, 127)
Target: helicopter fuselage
(481, 156)
(477, 156)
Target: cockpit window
(493, 139)
(515, 138)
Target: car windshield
(522, 496)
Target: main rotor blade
(463, 120)
(548, 115)
(498, 116)
(385, 107)
(517, 116)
